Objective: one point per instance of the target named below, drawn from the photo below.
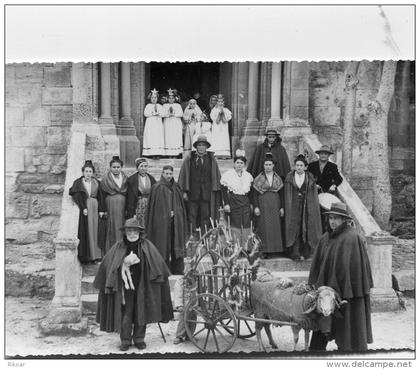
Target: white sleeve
(213, 114)
(228, 114)
(148, 110)
(178, 111)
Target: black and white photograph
(172, 207)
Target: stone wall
(39, 114)
(326, 110)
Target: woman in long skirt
(114, 190)
(220, 138)
(268, 208)
(172, 125)
(236, 191)
(302, 213)
(153, 136)
(85, 192)
(139, 186)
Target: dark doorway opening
(187, 78)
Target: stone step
(89, 270)
(285, 264)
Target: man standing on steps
(325, 172)
(167, 220)
(199, 179)
(133, 287)
(272, 144)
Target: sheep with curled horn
(301, 306)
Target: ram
(306, 308)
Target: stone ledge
(49, 328)
(404, 280)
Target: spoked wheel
(245, 328)
(208, 313)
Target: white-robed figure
(153, 139)
(172, 125)
(220, 115)
(192, 116)
(202, 128)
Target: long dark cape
(159, 220)
(341, 262)
(282, 166)
(133, 193)
(79, 194)
(184, 183)
(153, 294)
(312, 214)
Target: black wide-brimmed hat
(324, 148)
(132, 223)
(339, 208)
(201, 139)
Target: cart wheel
(209, 313)
(245, 328)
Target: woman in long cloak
(172, 124)
(114, 190)
(85, 192)
(268, 202)
(153, 136)
(236, 193)
(139, 186)
(302, 212)
(220, 138)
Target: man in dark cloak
(167, 220)
(325, 172)
(199, 179)
(340, 261)
(127, 308)
(272, 144)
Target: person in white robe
(202, 128)
(220, 115)
(153, 136)
(192, 116)
(172, 125)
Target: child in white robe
(153, 136)
(220, 115)
(172, 125)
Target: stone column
(129, 143)
(105, 86)
(275, 94)
(252, 127)
(252, 93)
(264, 96)
(106, 121)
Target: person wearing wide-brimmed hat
(114, 191)
(272, 144)
(139, 186)
(133, 287)
(199, 179)
(341, 261)
(324, 171)
(86, 194)
(220, 115)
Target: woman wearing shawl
(236, 190)
(139, 186)
(220, 129)
(268, 207)
(192, 117)
(172, 112)
(114, 190)
(153, 136)
(303, 216)
(85, 192)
